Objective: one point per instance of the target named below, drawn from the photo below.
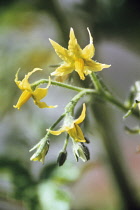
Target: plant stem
(115, 158)
(66, 143)
(103, 93)
(70, 106)
(95, 81)
(43, 81)
(99, 91)
(68, 109)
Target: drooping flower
(28, 92)
(41, 152)
(71, 126)
(76, 58)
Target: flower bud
(137, 97)
(81, 151)
(134, 98)
(62, 158)
(40, 153)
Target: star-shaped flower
(76, 58)
(71, 126)
(27, 93)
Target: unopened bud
(62, 158)
(40, 153)
(81, 151)
(86, 151)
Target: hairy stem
(60, 84)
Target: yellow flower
(76, 58)
(72, 128)
(27, 93)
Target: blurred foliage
(46, 191)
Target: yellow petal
(24, 83)
(95, 66)
(79, 68)
(61, 51)
(38, 94)
(16, 78)
(73, 45)
(23, 99)
(61, 130)
(82, 116)
(64, 69)
(43, 104)
(89, 50)
(76, 133)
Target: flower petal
(39, 93)
(23, 99)
(24, 84)
(64, 69)
(16, 78)
(94, 66)
(79, 68)
(82, 116)
(73, 46)
(76, 133)
(61, 51)
(61, 130)
(89, 51)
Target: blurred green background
(25, 27)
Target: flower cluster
(74, 59)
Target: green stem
(115, 157)
(98, 91)
(43, 81)
(59, 119)
(103, 93)
(70, 106)
(66, 143)
(95, 81)
(110, 98)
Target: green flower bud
(41, 152)
(137, 86)
(134, 98)
(81, 151)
